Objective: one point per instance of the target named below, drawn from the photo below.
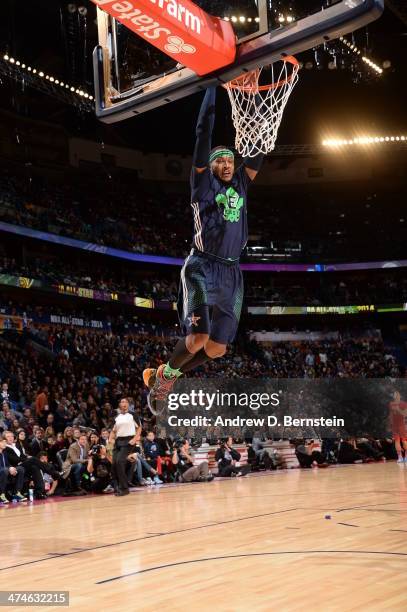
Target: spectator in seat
(93, 439)
(55, 444)
(135, 472)
(68, 437)
(183, 460)
(41, 402)
(61, 418)
(4, 393)
(151, 449)
(24, 421)
(15, 426)
(76, 462)
(32, 466)
(10, 475)
(37, 442)
(227, 458)
(104, 437)
(50, 426)
(22, 443)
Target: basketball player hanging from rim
(211, 286)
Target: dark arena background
(232, 512)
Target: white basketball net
(257, 110)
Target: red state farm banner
(180, 29)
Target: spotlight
(363, 140)
(71, 8)
(6, 57)
(83, 11)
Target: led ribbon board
(178, 28)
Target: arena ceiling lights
(34, 72)
(363, 140)
(357, 51)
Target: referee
(126, 437)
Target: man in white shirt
(126, 437)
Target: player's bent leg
(214, 349)
(195, 342)
(210, 350)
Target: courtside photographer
(183, 460)
(99, 468)
(228, 459)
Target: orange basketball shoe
(162, 387)
(149, 375)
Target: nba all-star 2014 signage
(180, 29)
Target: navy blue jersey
(220, 213)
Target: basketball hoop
(257, 110)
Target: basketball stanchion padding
(257, 109)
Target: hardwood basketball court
(260, 543)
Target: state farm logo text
(148, 26)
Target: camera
(95, 450)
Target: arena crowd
(58, 410)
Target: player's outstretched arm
(252, 165)
(204, 129)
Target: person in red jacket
(398, 418)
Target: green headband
(220, 153)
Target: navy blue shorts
(210, 298)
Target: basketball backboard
(132, 77)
